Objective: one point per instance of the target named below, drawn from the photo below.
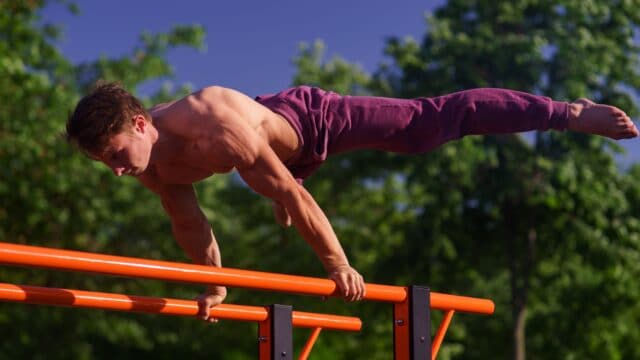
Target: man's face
(128, 152)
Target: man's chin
(137, 172)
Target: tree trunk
(519, 343)
(521, 264)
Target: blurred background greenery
(546, 225)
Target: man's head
(112, 126)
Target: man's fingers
(357, 288)
(350, 285)
(340, 279)
(353, 283)
(203, 309)
(343, 284)
(361, 285)
(205, 303)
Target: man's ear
(139, 123)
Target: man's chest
(189, 166)
(180, 173)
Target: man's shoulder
(215, 92)
(160, 106)
(208, 101)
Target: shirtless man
(275, 141)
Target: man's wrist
(575, 110)
(216, 290)
(335, 267)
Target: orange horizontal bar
(119, 302)
(69, 260)
(43, 257)
(461, 303)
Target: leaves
(542, 225)
(545, 224)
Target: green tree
(53, 196)
(544, 225)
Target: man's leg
(422, 124)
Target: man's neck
(163, 144)
(157, 144)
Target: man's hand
(281, 214)
(214, 295)
(349, 282)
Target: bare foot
(591, 118)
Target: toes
(619, 113)
(623, 119)
(628, 133)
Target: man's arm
(195, 236)
(268, 176)
(263, 171)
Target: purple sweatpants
(329, 123)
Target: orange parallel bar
(43, 257)
(461, 303)
(119, 302)
(14, 254)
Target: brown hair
(101, 114)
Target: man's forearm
(313, 225)
(198, 241)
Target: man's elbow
(291, 196)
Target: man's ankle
(575, 109)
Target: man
(276, 141)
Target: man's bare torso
(188, 149)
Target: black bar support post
(412, 325)
(275, 335)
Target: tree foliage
(546, 225)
